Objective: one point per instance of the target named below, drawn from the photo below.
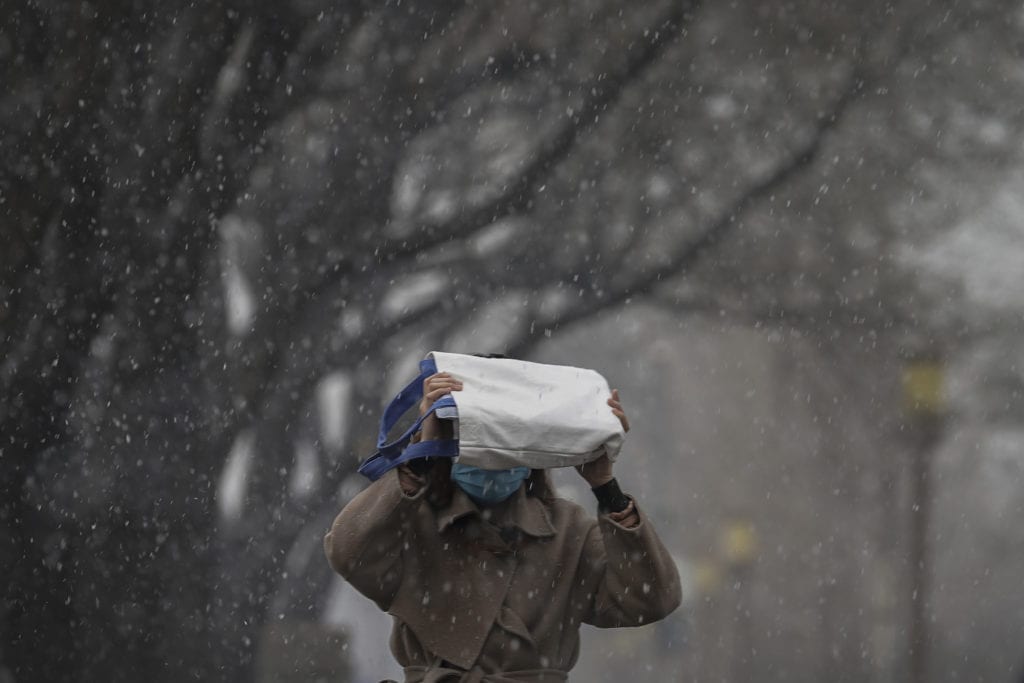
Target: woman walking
(487, 573)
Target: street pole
(739, 547)
(925, 404)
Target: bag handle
(405, 400)
(376, 466)
(392, 454)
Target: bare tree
(211, 208)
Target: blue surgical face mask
(488, 486)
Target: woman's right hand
(434, 387)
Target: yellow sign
(708, 577)
(923, 390)
(739, 543)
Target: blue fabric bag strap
(377, 465)
(405, 400)
(392, 454)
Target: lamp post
(739, 549)
(924, 403)
(709, 663)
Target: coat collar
(528, 513)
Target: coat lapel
(470, 568)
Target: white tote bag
(509, 413)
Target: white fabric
(514, 412)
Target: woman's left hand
(617, 410)
(599, 472)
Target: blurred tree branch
(137, 135)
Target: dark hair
(440, 487)
(539, 485)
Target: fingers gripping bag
(509, 413)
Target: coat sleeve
(365, 542)
(635, 576)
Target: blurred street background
(790, 232)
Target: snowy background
(792, 233)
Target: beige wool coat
(496, 594)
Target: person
(487, 574)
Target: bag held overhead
(509, 413)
